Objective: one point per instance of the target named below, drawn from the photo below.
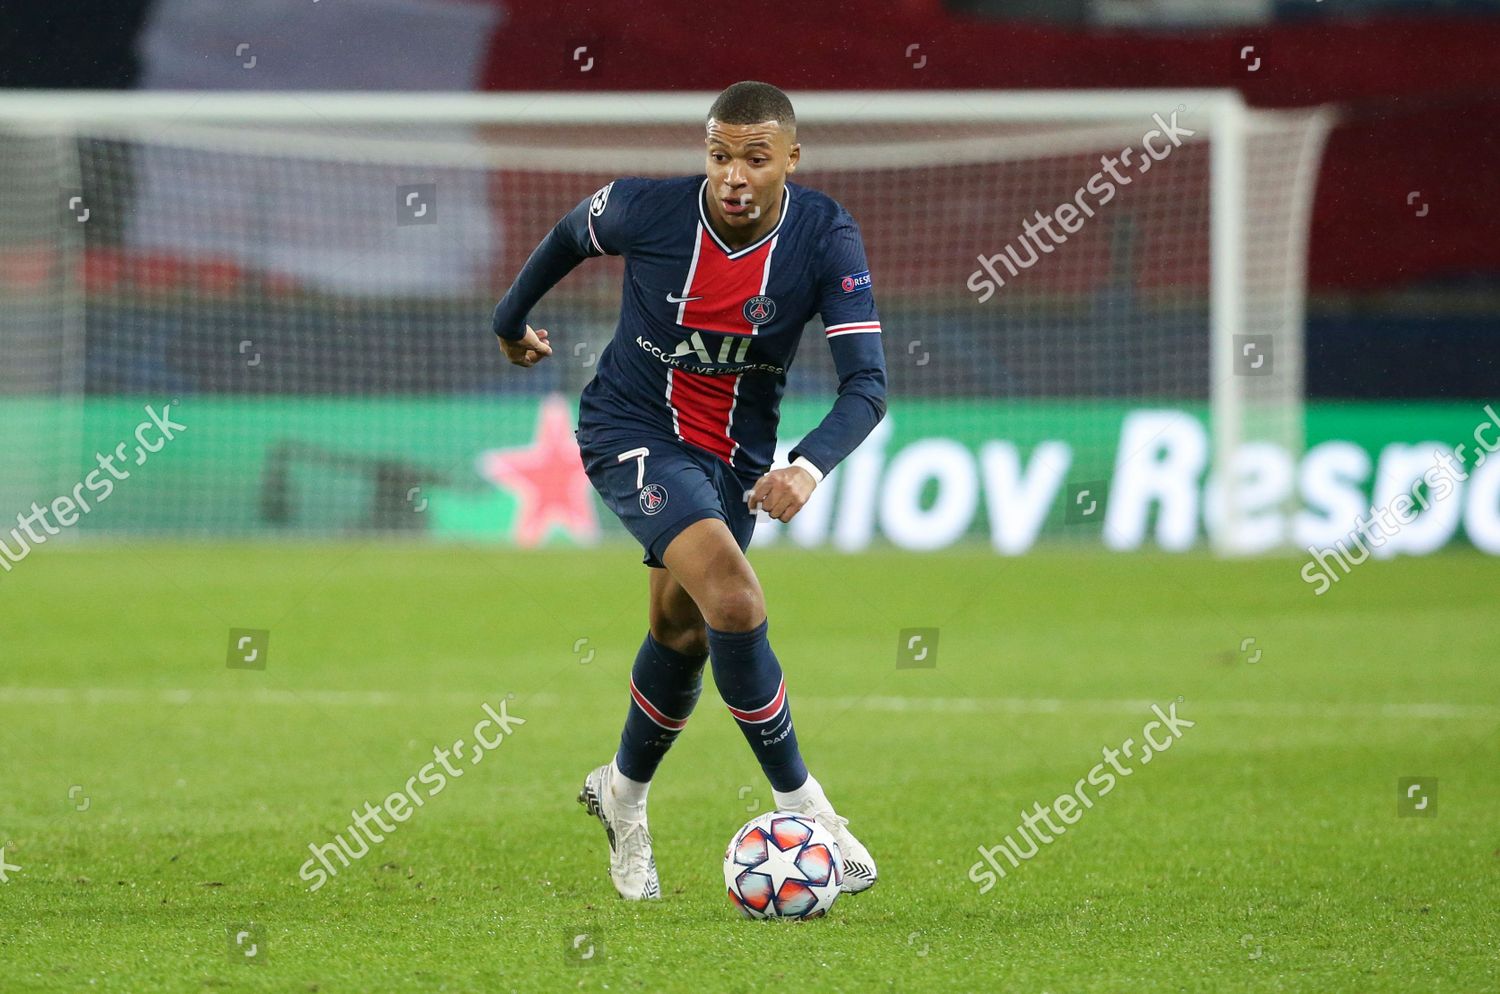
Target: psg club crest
(759, 309)
(653, 498)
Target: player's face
(747, 170)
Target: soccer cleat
(857, 864)
(632, 867)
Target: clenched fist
(782, 492)
(529, 350)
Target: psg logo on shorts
(759, 309)
(653, 498)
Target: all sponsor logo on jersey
(693, 354)
(653, 498)
(855, 281)
(732, 349)
(759, 309)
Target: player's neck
(738, 238)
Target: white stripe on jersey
(852, 328)
(687, 288)
(765, 277)
(729, 424)
(593, 237)
(675, 430)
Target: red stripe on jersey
(702, 407)
(722, 285)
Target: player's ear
(793, 155)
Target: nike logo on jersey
(674, 299)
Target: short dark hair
(752, 102)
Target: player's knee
(689, 637)
(736, 607)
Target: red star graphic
(547, 476)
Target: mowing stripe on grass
(941, 705)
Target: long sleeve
(860, 362)
(558, 255)
(597, 226)
(852, 328)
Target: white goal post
(260, 254)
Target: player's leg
(654, 486)
(708, 560)
(665, 683)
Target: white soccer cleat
(632, 867)
(856, 862)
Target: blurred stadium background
(249, 259)
(283, 224)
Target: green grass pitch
(158, 802)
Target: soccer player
(677, 431)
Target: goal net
(1092, 307)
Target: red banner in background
(1408, 187)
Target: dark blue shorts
(657, 485)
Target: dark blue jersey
(707, 333)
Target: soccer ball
(783, 865)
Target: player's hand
(529, 350)
(782, 492)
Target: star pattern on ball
(781, 864)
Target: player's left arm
(852, 328)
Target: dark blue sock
(750, 681)
(664, 687)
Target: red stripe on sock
(766, 713)
(653, 712)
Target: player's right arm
(594, 227)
